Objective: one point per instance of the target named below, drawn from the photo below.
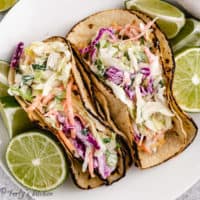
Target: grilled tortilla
(43, 77)
(125, 60)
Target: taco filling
(123, 58)
(43, 79)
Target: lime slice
(36, 161)
(188, 36)
(186, 85)
(6, 4)
(171, 19)
(4, 68)
(14, 117)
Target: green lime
(36, 161)
(186, 85)
(188, 36)
(14, 117)
(170, 18)
(6, 4)
(3, 90)
(4, 68)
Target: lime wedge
(36, 161)
(4, 68)
(171, 19)
(186, 85)
(6, 4)
(14, 117)
(188, 36)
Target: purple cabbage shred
(129, 92)
(91, 49)
(93, 141)
(145, 71)
(65, 126)
(114, 75)
(147, 90)
(104, 169)
(79, 145)
(17, 55)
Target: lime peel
(14, 117)
(4, 68)
(188, 36)
(6, 4)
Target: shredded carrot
(139, 35)
(91, 163)
(130, 31)
(146, 27)
(141, 140)
(68, 107)
(47, 99)
(157, 141)
(144, 148)
(66, 141)
(36, 104)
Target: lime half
(6, 4)
(4, 68)
(36, 161)
(188, 36)
(170, 18)
(186, 85)
(14, 117)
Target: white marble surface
(9, 191)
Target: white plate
(33, 20)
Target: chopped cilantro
(39, 67)
(100, 67)
(141, 57)
(107, 153)
(118, 145)
(132, 80)
(161, 83)
(60, 97)
(98, 45)
(142, 41)
(106, 140)
(106, 45)
(126, 55)
(28, 95)
(84, 131)
(27, 78)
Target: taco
(130, 66)
(43, 78)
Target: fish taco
(128, 64)
(44, 79)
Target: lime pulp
(186, 84)
(36, 161)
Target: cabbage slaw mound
(43, 78)
(122, 57)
